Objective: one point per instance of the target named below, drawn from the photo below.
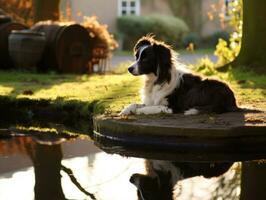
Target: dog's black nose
(130, 69)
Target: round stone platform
(237, 136)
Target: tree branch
(69, 172)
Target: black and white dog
(168, 89)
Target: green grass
(250, 88)
(112, 90)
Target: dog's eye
(144, 57)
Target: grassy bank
(111, 91)
(74, 99)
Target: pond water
(56, 168)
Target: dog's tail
(210, 109)
(245, 110)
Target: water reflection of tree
(46, 160)
(46, 157)
(253, 180)
(47, 165)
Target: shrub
(205, 66)
(167, 28)
(193, 38)
(99, 32)
(227, 51)
(20, 10)
(219, 35)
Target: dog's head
(152, 188)
(152, 57)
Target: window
(128, 7)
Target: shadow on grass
(248, 79)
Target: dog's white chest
(153, 95)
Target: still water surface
(35, 168)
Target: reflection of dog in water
(162, 177)
(168, 89)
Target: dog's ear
(163, 61)
(148, 186)
(146, 40)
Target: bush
(219, 35)
(99, 32)
(193, 38)
(166, 28)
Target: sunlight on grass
(113, 90)
(4, 90)
(37, 129)
(118, 89)
(250, 88)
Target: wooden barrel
(66, 48)
(26, 48)
(5, 30)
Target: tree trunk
(190, 11)
(46, 10)
(253, 47)
(253, 183)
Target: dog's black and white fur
(168, 89)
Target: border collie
(168, 89)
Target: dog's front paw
(131, 109)
(167, 110)
(191, 111)
(149, 110)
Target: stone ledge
(225, 137)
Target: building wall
(106, 12)
(212, 17)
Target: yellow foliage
(224, 53)
(205, 66)
(100, 31)
(227, 52)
